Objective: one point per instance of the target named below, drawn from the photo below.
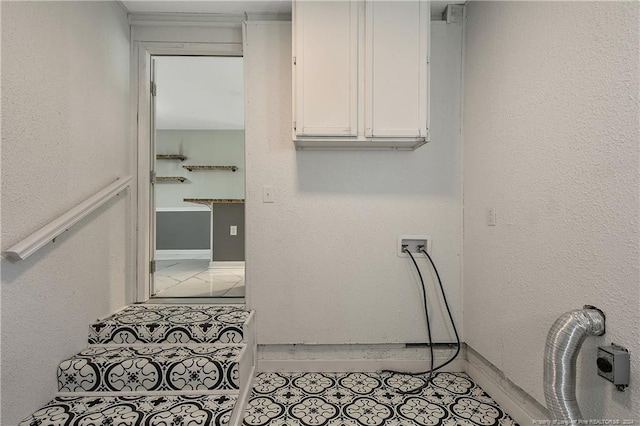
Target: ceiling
(235, 7)
(200, 93)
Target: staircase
(158, 365)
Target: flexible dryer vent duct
(561, 351)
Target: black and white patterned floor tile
(370, 399)
(150, 368)
(171, 324)
(124, 411)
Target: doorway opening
(198, 177)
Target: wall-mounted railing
(49, 232)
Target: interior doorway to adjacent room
(198, 178)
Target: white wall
(551, 139)
(321, 261)
(199, 92)
(204, 148)
(65, 135)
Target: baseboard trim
(226, 265)
(523, 408)
(182, 209)
(343, 358)
(147, 393)
(182, 254)
(352, 365)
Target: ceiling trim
(203, 19)
(186, 19)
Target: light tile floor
(193, 278)
(361, 399)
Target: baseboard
(523, 408)
(226, 265)
(352, 365)
(182, 254)
(183, 209)
(353, 358)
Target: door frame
(141, 60)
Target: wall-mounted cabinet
(360, 74)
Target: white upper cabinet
(326, 64)
(360, 74)
(396, 69)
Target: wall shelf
(171, 179)
(171, 157)
(192, 168)
(210, 201)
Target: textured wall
(321, 261)
(551, 139)
(65, 135)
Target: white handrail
(49, 232)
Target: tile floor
(369, 399)
(193, 278)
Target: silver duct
(561, 351)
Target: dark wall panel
(228, 247)
(190, 231)
(182, 230)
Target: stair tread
(135, 410)
(171, 324)
(151, 368)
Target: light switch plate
(491, 216)
(268, 195)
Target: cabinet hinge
(428, 59)
(152, 177)
(294, 125)
(154, 89)
(152, 267)
(294, 60)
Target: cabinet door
(396, 82)
(326, 68)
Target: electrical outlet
(233, 230)
(413, 242)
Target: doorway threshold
(196, 301)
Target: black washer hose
(426, 313)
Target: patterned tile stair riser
(171, 324)
(369, 399)
(156, 365)
(151, 368)
(162, 410)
